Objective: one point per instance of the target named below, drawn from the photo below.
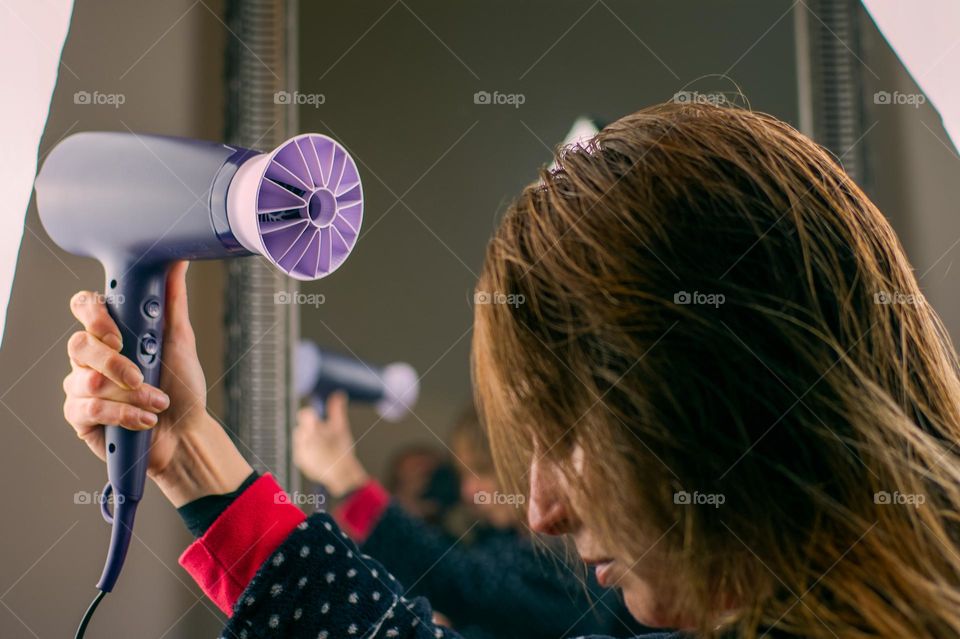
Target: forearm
(206, 462)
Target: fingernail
(148, 419)
(160, 401)
(133, 377)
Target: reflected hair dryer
(392, 389)
(137, 203)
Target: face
(646, 583)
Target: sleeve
(278, 574)
(227, 556)
(318, 585)
(360, 513)
(199, 514)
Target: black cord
(88, 614)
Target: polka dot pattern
(318, 585)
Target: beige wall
(401, 99)
(166, 59)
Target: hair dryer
(139, 202)
(393, 389)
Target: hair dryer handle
(135, 299)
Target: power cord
(89, 613)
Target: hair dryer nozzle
(401, 387)
(300, 206)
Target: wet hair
(713, 311)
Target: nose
(549, 512)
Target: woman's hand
(323, 450)
(190, 456)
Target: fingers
(337, 410)
(87, 383)
(104, 387)
(307, 417)
(84, 412)
(91, 311)
(178, 329)
(86, 350)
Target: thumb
(178, 328)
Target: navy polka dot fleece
(318, 585)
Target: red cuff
(359, 514)
(225, 559)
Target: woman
(487, 580)
(708, 391)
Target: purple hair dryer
(138, 203)
(393, 389)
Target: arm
(299, 566)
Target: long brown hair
(707, 305)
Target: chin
(644, 607)
(642, 611)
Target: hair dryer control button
(149, 349)
(152, 308)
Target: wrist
(349, 477)
(205, 462)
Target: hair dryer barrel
(124, 197)
(392, 388)
(127, 198)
